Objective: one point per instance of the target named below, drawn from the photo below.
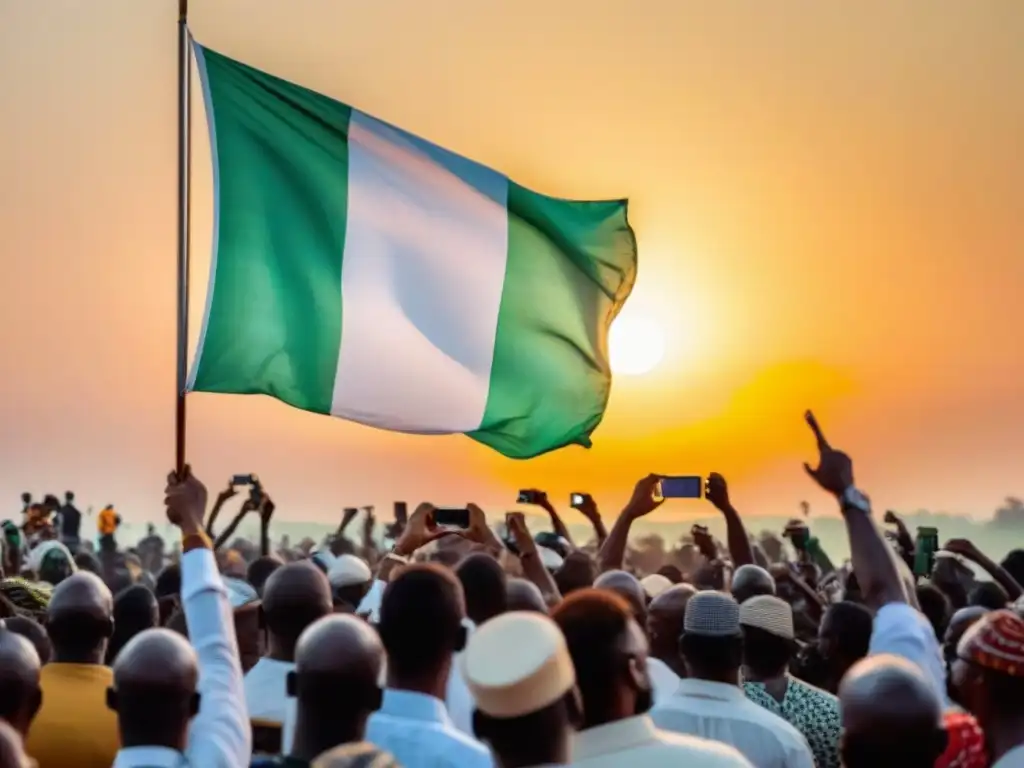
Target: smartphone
(688, 487)
(447, 517)
(576, 500)
(401, 512)
(244, 480)
(925, 547)
(527, 497)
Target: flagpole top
(182, 10)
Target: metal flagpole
(184, 172)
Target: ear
(461, 638)
(291, 685)
(111, 699)
(375, 699)
(193, 704)
(35, 703)
(638, 674)
(574, 708)
(261, 620)
(108, 630)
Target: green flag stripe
(571, 266)
(273, 323)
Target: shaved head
(79, 619)
(295, 595)
(157, 658)
(627, 586)
(750, 581)
(337, 653)
(959, 623)
(524, 595)
(154, 691)
(891, 714)
(20, 696)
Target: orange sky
(829, 199)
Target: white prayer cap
(549, 558)
(772, 614)
(517, 663)
(655, 584)
(348, 570)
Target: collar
(414, 706)
(151, 757)
(613, 737)
(706, 689)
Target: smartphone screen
(526, 497)
(241, 480)
(401, 512)
(575, 500)
(688, 487)
(451, 518)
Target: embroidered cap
(348, 570)
(517, 663)
(712, 614)
(772, 614)
(995, 642)
(655, 584)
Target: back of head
(295, 595)
(34, 632)
(935, 606)
(628, 587)
(671, 572)
(420, 624)
(988, 594)
(79, 618)
(20, 696)
(483, 584)
(168, 582)
(750, 581)
(135, 610)
(523, 595)
(712, 643)
(1014, 565)
(595, 624)
(845, 631)
(518, 669)
(259, 571)
(988, 670)
(891, 715)
(155, 689)
(577, 571)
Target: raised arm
(220, 735)
(966, 548)
(643, 502)
(533, 568)
(736, 534)
(540, 498)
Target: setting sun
(636, 344)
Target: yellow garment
(74, 728)
(107, 522)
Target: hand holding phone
(532, 496)
(452, 518)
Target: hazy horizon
(828, 199)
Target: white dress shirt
(266, 698)
(722, 712)
(416, 729)
(663, 680)
(459, 700)
(902, 630)
(219, 736)
(636, 743)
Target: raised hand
(834, 472)
(185, 498)
(645, 497)
(717, 492)
(419, 531)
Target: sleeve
(370, 606)
(902, 630)
(220, 736)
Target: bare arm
(736, 534)
(643, 502)
(228, 532)
(590, 511)
(557, 524)
(1000, 575)
(533, 568)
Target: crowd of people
(472, 644)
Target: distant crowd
(450, 641)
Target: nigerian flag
(362, 272)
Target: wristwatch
(852, 498)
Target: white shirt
(416, 729)
(1012, 759)
(902, 630)
(636, 743)
(721, 712)
(266, 697)
(459, 700)
(219, 736)
(663, 680)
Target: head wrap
(966, 748)
(995, 642)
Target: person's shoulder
(467, 742)
(711, 754)
(821, 696)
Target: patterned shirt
(812, 711)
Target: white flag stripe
(423, 268)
